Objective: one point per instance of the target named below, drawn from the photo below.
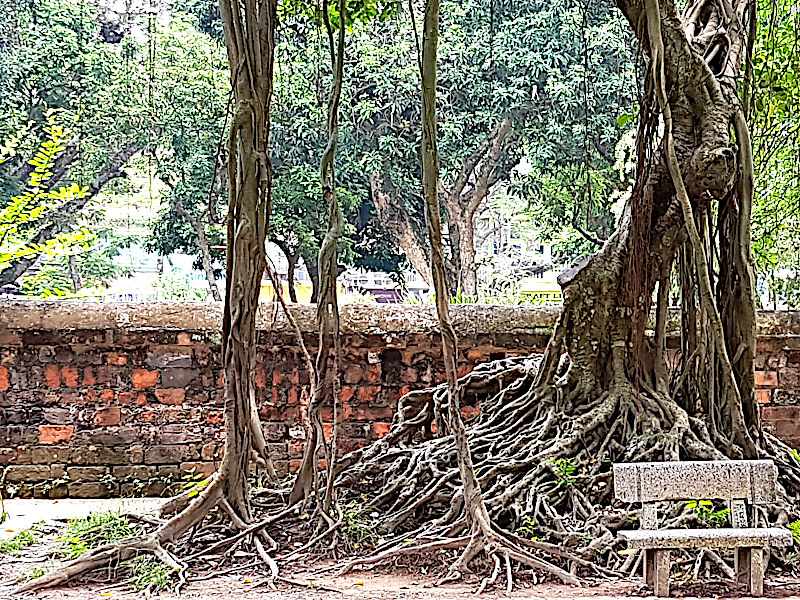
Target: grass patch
(22, 540)
(95, 530)
(149, 573)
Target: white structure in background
(512, 261)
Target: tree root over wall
(525, 443)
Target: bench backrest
(752, 480)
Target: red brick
(88, 376)
(108, 416)
(141, 399)
(763, 396)
(378, 414)
(260, 377)
(294, 465)
(147, 416)
(184, 338)
(125, 398)
(115, 358)
(203, 468)
(3, 379)
(381, 429)
(142, 378)
(464, 370)
(353, 374)
(277, 378)
(347, 411)
(70, 375)
(52, 376)
(72, 397)
(368, 393)
(766, 379)
(107, 396)
(54, 434)
(294, 377)
(787, 429)
(373, 373)
(214, 418)
(347, 393)
(776, 413)
(327, 428)
(475, 355)
(409, 375)
(467, 412)
(171, 395)
(221, 379)
(292, 396)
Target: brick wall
(99, 399)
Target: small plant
(23, 539)
(528, 529)
(564, 470)
(195, 482)
(95, 530)
(36, 571)
(795, 454)
(705, 513)
(794, 527)
(148, 573)
(356, 525)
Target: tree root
(543, 458)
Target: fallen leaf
(359, 583)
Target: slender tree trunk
(74, 273)
(203, 246)
(250, 41)
(292, 259)
(327, 370)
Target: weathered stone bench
(736, 481)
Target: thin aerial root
(509, 576)
(403, 551)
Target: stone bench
(736, 481)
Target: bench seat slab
(707, 538)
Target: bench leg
(742, 567)
(757, 569)
(649, 563)
(661, 573)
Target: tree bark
(476, 178)
(203, 246)
(396, 221)
(250, 42)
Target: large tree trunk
(395, 219)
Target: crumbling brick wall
(124, 399)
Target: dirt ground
(311, 583)
(382, 586)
